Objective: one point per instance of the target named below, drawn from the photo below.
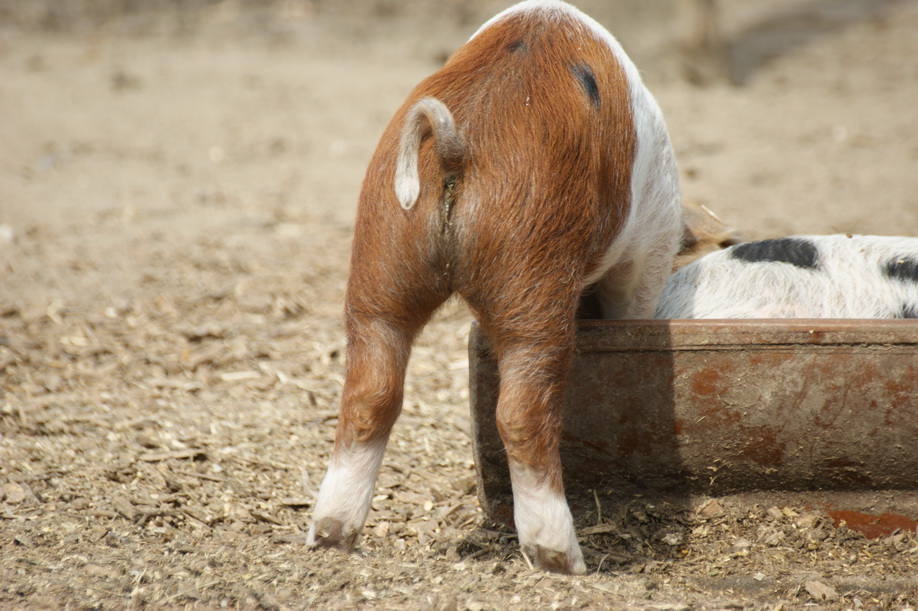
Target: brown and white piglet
(533, 168)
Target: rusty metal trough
(716, 407)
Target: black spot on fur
(909, 310)
(795, 251)
(518, 45)
(587, 80)
(902, 268)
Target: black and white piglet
(830, 276)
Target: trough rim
(708, 334)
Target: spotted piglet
(532, 168)
(830, 276)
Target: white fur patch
(543, 518)
(651, 233)
(347, 490)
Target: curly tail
(449, 146)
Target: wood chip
(12, 493)
(296, 502)
(820, 591)
(195, 358)
(599, 529)
(236, 376)
(176, 383)
(177, 454)
(264, 517)
(206, 476)
(710, 509)
(125, 508)
(198, 515)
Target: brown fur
(524, 182)
(531, 219)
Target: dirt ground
(176, 203)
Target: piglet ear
(689, 238)
(731, 239)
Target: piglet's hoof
(330, 532)
(555, 561)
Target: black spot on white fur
(794, 251)
(909, 310)
(902, 268)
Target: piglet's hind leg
(371, 401)
(529, 422)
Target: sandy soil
(176, 204)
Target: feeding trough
(723, 406)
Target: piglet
(828, 276)
(533, 168)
